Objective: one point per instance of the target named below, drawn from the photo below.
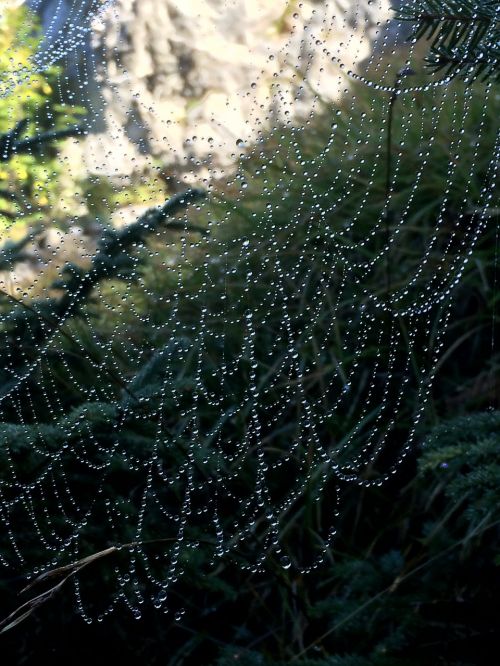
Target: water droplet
(285, 562)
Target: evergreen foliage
(36, 323)
(464, 35)
(465, 456)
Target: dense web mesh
(219, 295)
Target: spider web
(222, 397)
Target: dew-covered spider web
(228, 275)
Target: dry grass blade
(26, 609)
(73, 567)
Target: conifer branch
(464, 36)
(42, 319)
(12, 144)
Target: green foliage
(464, 36)
(465, 456)
(30, 183)
(24, 90)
